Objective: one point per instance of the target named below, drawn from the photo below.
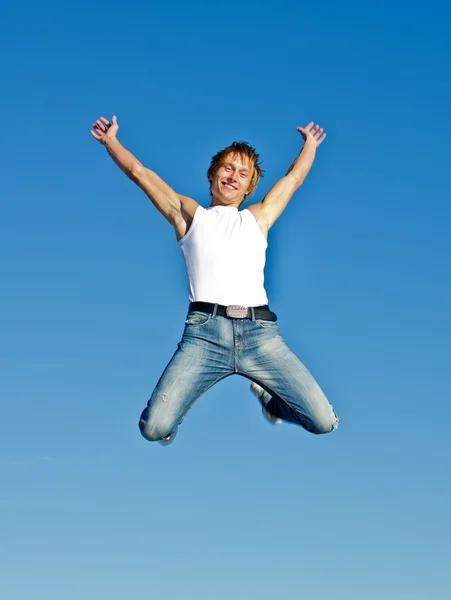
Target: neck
(218, 202)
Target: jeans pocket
(266, 324)
(197, 319)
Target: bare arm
(174, 207)
(269, 210)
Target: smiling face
(230, 181)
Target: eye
(243, 174)
(228, 168)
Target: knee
(154, 430)
(324, 425)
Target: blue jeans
(214, 347)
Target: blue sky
(94, 296)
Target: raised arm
(178, 210)
(274, 203)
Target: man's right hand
(104, 131)
(178, 210)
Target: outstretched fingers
(313, 131)
(319, 134)
(102, 124)
(101, 127)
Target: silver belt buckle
(235, 311)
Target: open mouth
(229, 186)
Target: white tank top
(225, 253)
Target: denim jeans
(214, 347)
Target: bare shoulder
(256, 210)
(188, 206)
(184, 219)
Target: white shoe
(264, 398)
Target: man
(229, 327)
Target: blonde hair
(245, 150)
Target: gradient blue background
(93, 298)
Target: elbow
(136, 172)
(296, 180)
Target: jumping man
(229, 328)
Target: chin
(226, 199)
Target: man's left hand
(312, 134)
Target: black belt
(234, 311)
